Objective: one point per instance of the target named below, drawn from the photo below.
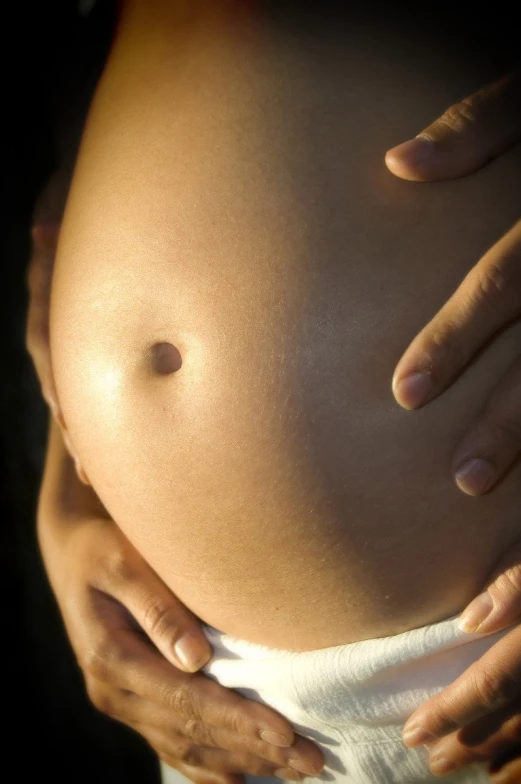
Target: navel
(166, 359)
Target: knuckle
(493, 284)
(157, 618)
(509, 582)
(100, 698)
(460, 116)
(196, 731)
(494, 689)
(180, 701)
(235, 723)
(95, 664)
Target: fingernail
(477, 611)
(288, 773)
(416, 736)
(475, 476)
(440, 766)
(412, 390)
(412, 152)
(275, 739)
(191, 652)
(303, 767)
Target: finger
(499, 605)
(493, 443)
(126, 707)
(491, 683)
(110, 650)
(170, 626)
(217, 760)
(124, 659)
(486, 301)
(465, 137)
(479, 742)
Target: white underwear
(353, 700)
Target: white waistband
(354, 699)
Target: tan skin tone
(124, 625)
(190, 721)
(466, 137)
(260, 441)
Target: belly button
(166, 358)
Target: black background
(52, 56)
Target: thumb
(170, 626)
(465, 137)
(499, 605)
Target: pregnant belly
(270, 479)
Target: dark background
(52, 58)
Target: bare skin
(122, 582)
(189, 720)
(133, 640)
(479, 713)
(269, 469)
(482, 131)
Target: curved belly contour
(271, 480)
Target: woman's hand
(136, 645)
(489, 298)
(478, 717)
